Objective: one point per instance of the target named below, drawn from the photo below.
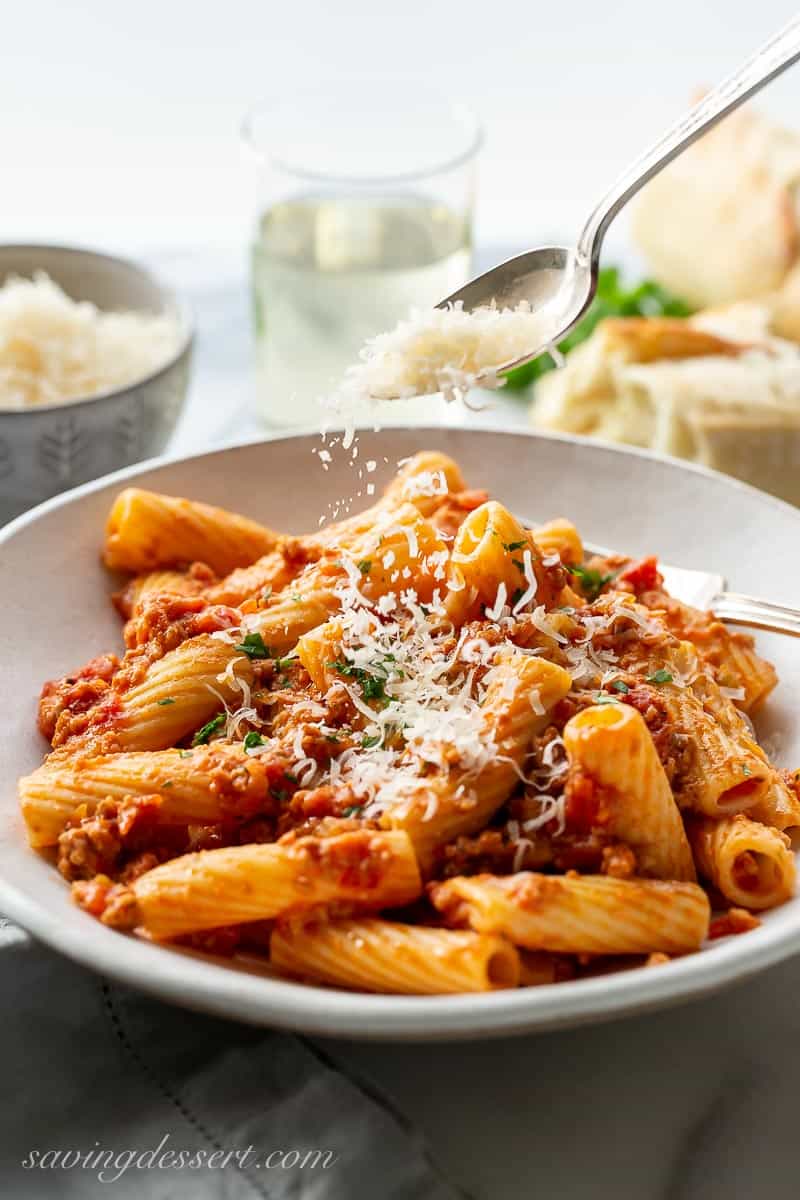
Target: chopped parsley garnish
(591, 581)
(365, 566)
(353, 810)
(332, 737)
(604, 698)
(373, 687)
(660, 676)
(514, 545)
(252, 739)
(282, 663)
(252, 645)
(619, 685)
(167, 783)
(368, 742)
(166, 700)
(202, 736)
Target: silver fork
(707, 591)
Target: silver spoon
(560, 281)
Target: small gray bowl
(53, 447)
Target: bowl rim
(173, 301)
(240, 994)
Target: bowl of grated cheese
(94, 369)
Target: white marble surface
(691, 1104)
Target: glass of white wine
(365, 198)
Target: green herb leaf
(373, 687)
(514, 545)
(368, 742)
(660, 676)
(166, 700)
(365, 565)
(282, 663)
(202, 736)
(253, 646)
(619, 685)
(354, 810)
(604, 698)
(252, 739)
(591, 581)
(612, 299)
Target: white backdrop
(119, 120)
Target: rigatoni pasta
(423, 750)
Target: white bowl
(56, 614)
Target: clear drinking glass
(364, 207)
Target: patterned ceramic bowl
(47, 449)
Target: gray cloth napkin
(115, 1080)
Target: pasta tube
(611, 744)
(578, 914)
(518, 699)
(130, 599)
(196, 786)
(257, 882)
(175, 697)
(495, 562)
(146, 530)
(386, 956)
(404, 551)
(751, 864)
(272, 571)
(780, 805)
(562, 538)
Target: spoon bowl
(557, 284)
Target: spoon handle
(771, 59)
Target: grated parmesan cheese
(442, 350)
(54, 349)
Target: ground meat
(619, 861)
(353, 860)
(735, 920)
(94, 841)
(244, 784)
(227, 940)
(75, 693)
(114, 904)
(449, 515)
(164, 621)
(674, 748)
(490, 851)
(193, 582)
